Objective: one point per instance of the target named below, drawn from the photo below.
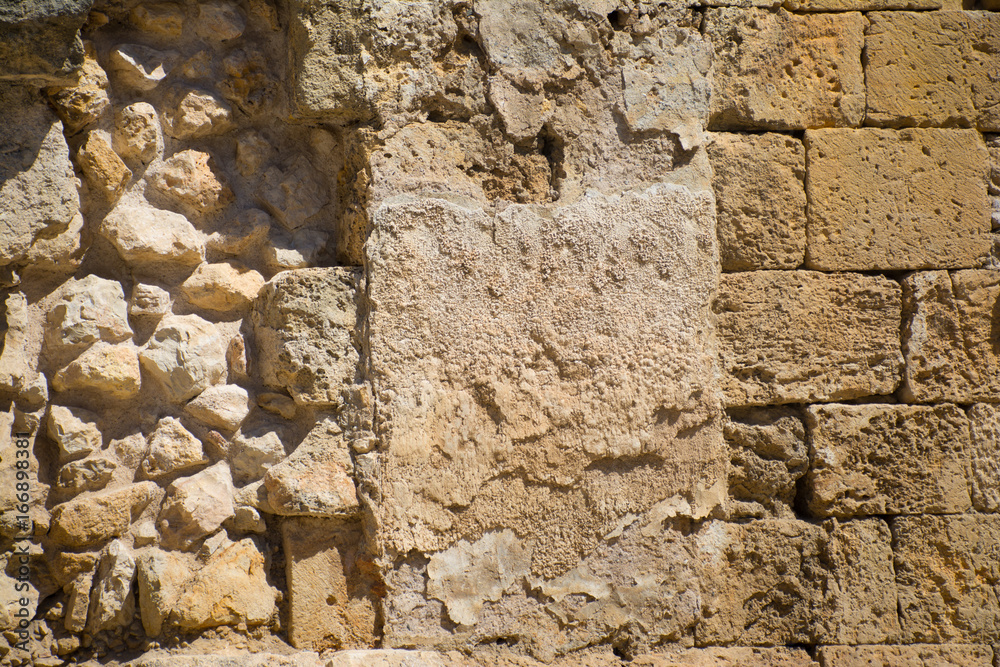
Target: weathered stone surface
(887, 459)
(768, 455)
(186, 355)
(254, 450)
(332, 598)
(15, 365)
(785, 582)
(112, 604)
(145, 235)
(75, 431)
(137, 136)
(186, 180)
(728, 657)
(933, 69)
(304, 323)
(90, 309)
(140, 67)
(90, 474)
(219, 21)
(86, 100)
(78, 601)
(160, 581)
(90, 519)
(103, 370)
(948, 336)
(294, 251)
(198, 114)
(761, 200)
(783, 71)
(890, 200)
(293, 195)
(196, 506)
(922, 655)
(223, 287)
(222, 406)
(40, 41)
(38, 190)
(148, 302)
(984, 457)
(162, 19)
(803, 336)
(242, 235)
(856, 5)
(947, 574)
(105, 171)
(172, 448)
(244, 659)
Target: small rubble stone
(984, 458)
(161, 576)
(248, 520)
(768, 455)
(112, 604)
(75, 431)
(144, 235)
(219, 20)
(294, 251)
(222, 406)
(148, 302)
(887, 459)
(254, 450)
(91, 309)
(172, 448)
(293, 195)
(253, 151)
(186, 355)
(921, 655)
(89, 474)
(105, 371)
(144, 534)
(140, 67)
(196, 506)
(278, 404)
(243, 235)
(14, 362)
(137, 136)
(83, 103)
(164, 20)
(78, 601)
(197, 115)
(223, 287)
(104, 170)
(91, 519)
(187, 180)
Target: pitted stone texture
(148, 302)
(90, 474)
(856, 5)
(219, 21)
(761, 200)
(786, 582)
(185, 356)
(933, 69)
(887, 459)
(196, 116)
(768, 455)
(105, 171)
(137, 136)
(331, 586)
(783, 71)
(803, 336)
(90, 309)
(186, 180)
(164, 20)
(224, 287)
(41, 40)
(86, 100)
(947, 574)
(161, 576)
(897, 199)
(144, 235)
(102, 372)
(921, 655)
(728, 657)
(112, 604)
(249, 659)
(172, 448)
(948, 336)
(293, 196)
(91, 519)
(984, 459)
(304, 325)
(196, 506)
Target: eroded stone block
(922, 655)
(768, 454)
(728, 657)
(984, 459)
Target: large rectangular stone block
(761, 200)
(921, 655)
(775, 70)
(803, 336)
(933, 69)
(984, 460)
(948, 577)
(887, 459)
(719, 656)
(948, 336)
(884, 200)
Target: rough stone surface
(86, 100)
(783, 71)
(90, 519)
(802, 336)
(768, 455)
(948, 334)
(197, 115)
(761, 200)
(196, 506)
(137, 136)
(221, 406)
(90, 309)
(172, 448)
(141, 68)
(104, 170)
(103, 371)
(887, 459)
(41, 40)
(223, 287)
(333, 602)
(185, 356)
(890, 200)
(254, 450)
(148, 302)
(728, 657)
(922, 655)
(293, 196)
(187, 181)
(144, 235)
(90, 474)
(984, 458)
(160, 580)
(112, 603)
(933, 69)
(947, 573)
(74, 431)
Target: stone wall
(463, 332)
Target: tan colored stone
(947, 574)
(768, 455)
(219, 21)
(75, 431)
(163, 20)
(984, 458)
(728, 657)
(188, 181)
(90, 474)
(148, 302)
(278, 404)
(932, 69)
(143, 235)
(294, 251)
(41, 44)
(222, 406)
(104, 170)
(91, 519)
(160, 580)
(15, 366)
(78, 602)
(243, 235)
(246, 658)
(922, 655)
(140, 67)
(197, 115)
(948, 336)
(137, 136)
(859, 5)
(887, 459)
(333, 599)
(196, 506)
(803, 336)
(253, 451)
(86, 101)
(105, 371)
(112, 604)
(186, 355)
(890, 200)
(761, 200)
(89, 310)
(172, 448)
(293, 195)
(783, 71)
(224, 287)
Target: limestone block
(86, 100)
(932, 69)
(197, 115)
(140, 67)
(112, 604)
(887, 459)
(948, 336)
(858, 5)
(91, 519)
(223, 287)
(219, 21)
(144, 235)
(38, 189)
(15, 366)
(947, 574)
(783, 71)
(223, 407)
(245, 658)
(196, 506)
(294, 251)
(768, 455)
(172, 448)
(90, 474)
(104, 371)
(984, 458)
(186, 355)
(137, 136)
(278, 404)
(160, 580)
(162, 19)
(787, 581)
(332, 600)
(803, 336)
(304, 323)
(42, 40)
(75, 431)
(890, 200)
(317, 479)
(148, 302)
(78, 602)
(188, 181)
(242, 235)
(105, 171)
(761, 200)
(921, 655)
(254, 450)
(728, 657)
(90, 309)
(293, 195)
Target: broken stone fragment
(219, 20)
(91, 519)
(140, 67)
(14, 362)
(197, 115)
(105, 171)
(278, 404)
(106, 371)
(112, 603)
(137, 136)
(768, 455)
(74, 430)
(185, 355)
(78, 601)
(90, 474)
(144, 235)
(172, 448)
(223, 407)
(164, 20)
(293, 195)
(196, 506)
(90, 310)
(188, 181)
(86, 101)
(919, 655)
(294, 251)
(226, 287)
(161, 575)
(148, 302)
(252, 152)
(41, 41)
(984, 457)
(242, 235)
(254, 450)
